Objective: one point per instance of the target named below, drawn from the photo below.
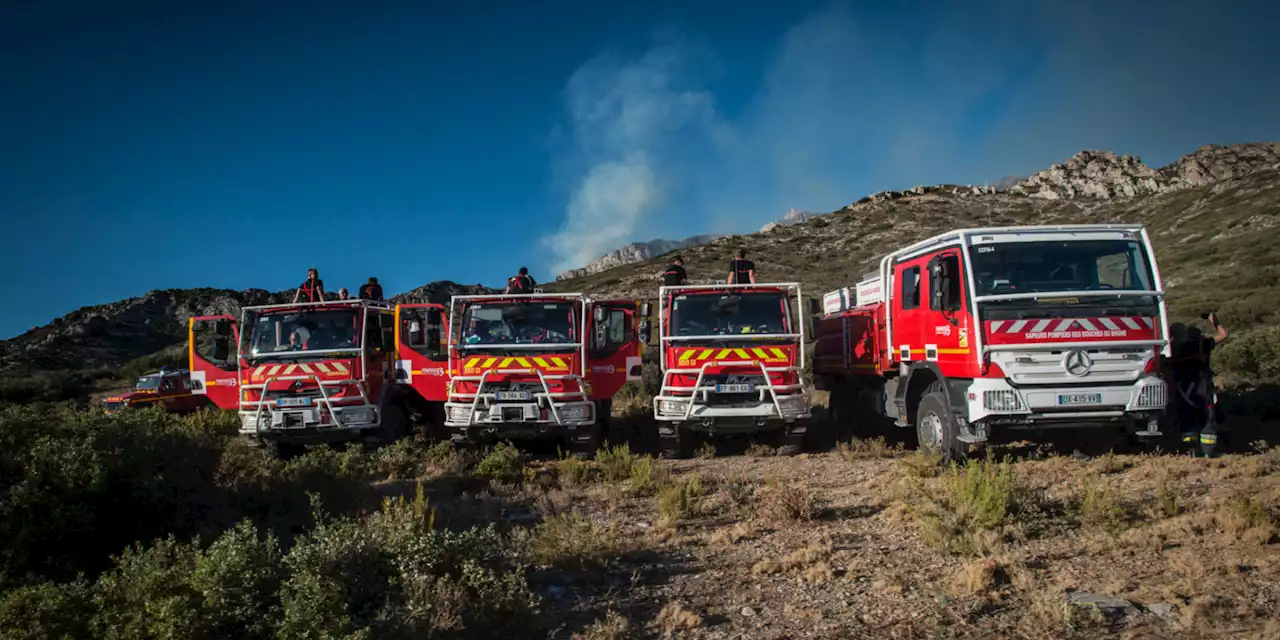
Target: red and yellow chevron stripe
(764, 354)
(484, 363)
(325, 369)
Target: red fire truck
(538, 365)
(732, 357)
(977, 330)
(305, 373)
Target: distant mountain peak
(634, 252)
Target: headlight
(250, 420)
(362, 414)
(576, 413)
(672, 406)
(459, 414)
(797, 403)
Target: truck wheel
(395, 425)
(584, 444)
(677, 446)
(936, 427)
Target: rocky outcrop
(1104, 175)
(634, 252)
(440, 292)
(792, 217)
(1213, 163)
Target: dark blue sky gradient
(148, 145)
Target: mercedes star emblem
(1077, 363)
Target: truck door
(614, 357)
(214, 365)
(910, 310)
(422, 358)
(951, 326)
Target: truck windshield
(294, 331)
(498, 323)
(719, 314)
(1076, 265)
(147, 382)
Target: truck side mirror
(645, 330)
(435, 317)
(645, 310)
(812, 307)
(222, 327)
(388, 341)
(935, 284)
(599, 313)
(812, 334)
(221, 348)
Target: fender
(957, 388)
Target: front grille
(1001, 400)
(1153, 396)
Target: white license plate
(1080, 398)
(733, 388)
(293, 402)
(513, 395)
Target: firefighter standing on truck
(675, 274)
(1193, 394)
(521, 283)
(742, 270)
(312, 288)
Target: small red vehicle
(305, 372)
(732, 357)
(979, 330)
(168, 389)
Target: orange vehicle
(540, 365)
(168, 389)
(732, 357)
(305, 372)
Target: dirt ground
(864, 538)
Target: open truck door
(212, 354)
(422, 349)
(616, 345)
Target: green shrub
(1252, 355)
(615, 462)
(967, 502)
(46, 610)
(571, 541)
(502, 464)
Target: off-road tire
(584, 443)
(677, 446)
(936, 427)
(395, 425)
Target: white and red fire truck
(732, 357)
(540, 365)
(305, 372)
(977, 330)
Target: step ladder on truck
(539, 365)
(304, 373)
(978, 331)
(732, 357)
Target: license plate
(1080, 398)
(733, 388)
(293, 402)
(513, 395)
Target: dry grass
(575, 472)
(706, 450)
(980, 577)
(867, 449)
(675, 617)
(964, 510)
(611, 627)
(780, 501)
(615, 462)
(678, 500)
(758, 450)
(921, 465)
(1099, 507)
(812, 563)
(731, 535)
(571, 541)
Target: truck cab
(306, 372)
(540, 365)
(1007, 328)
(732, 357)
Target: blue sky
(149, 145)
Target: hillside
(1218, 245)
(110, 335)
(634, 252)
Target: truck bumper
(518, 417)
(311, 423)
(998, 402)
(743, 417)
